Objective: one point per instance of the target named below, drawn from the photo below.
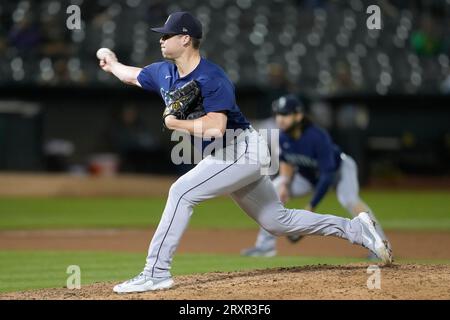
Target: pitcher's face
(172, 46)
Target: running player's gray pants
(347, 191)
(239, 175)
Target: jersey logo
(166, 96)
(167, 77)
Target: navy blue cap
(287, 104)
(181, 23)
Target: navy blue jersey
(315, 157)
(216, 89)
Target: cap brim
(162, 30)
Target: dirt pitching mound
(405, 281)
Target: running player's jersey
(315, 157)
(216, 88)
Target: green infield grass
(413, 210)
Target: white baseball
(103, 52)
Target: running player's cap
(287, 104)
(181, 23)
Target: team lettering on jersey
(301, 160)
(166, 96)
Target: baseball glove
(185, 102)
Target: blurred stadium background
(384, 95)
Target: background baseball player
(235, 170)
(309, 161)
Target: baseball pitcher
(190, 83)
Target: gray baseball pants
(237, 172)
